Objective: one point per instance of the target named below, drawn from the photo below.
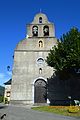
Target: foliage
(62, 110)
(66, 55)
(6, 100)
(73, 109)
(1, 98)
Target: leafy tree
(65, 57)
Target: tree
(65, 57)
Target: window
(40, 61)
(40, 44)
(8, 94)
(35, 31)
(40, 19)
(46, 31)
(40, 70)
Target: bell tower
(41, 27)
(30, 70)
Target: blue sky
(15, 14)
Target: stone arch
(40, 91)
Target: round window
(40, 61)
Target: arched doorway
(40, 91)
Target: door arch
(40, 91)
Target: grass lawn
(62, 110)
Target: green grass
(62, 110)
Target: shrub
(73, 109)
(6, 100)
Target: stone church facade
(30, 70)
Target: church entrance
(40, 91)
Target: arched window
(40, 44)
(40, 70)
(35, 30)
(46, 30)
(40, 19)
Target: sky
(15, 14)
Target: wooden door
(40, 91)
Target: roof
(8, 82)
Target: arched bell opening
(35, 31)
(46, 30)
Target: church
(30, 70)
